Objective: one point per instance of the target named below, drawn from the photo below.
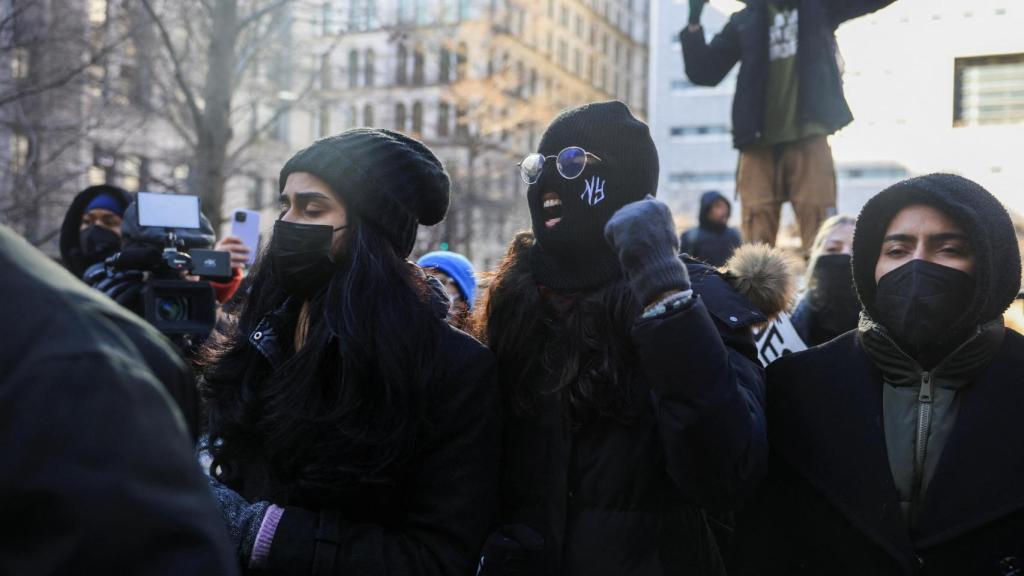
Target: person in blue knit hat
(457, 275)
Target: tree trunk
(215, 132)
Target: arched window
(369, 68)
(417, 118)
(400, 117)
(418, 78)
(443, 119)
(368, 115)
(401, 66)
(353, 68)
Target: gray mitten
(643, 235)
(242, 518)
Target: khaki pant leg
(755, 183)
(811, 183)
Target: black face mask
(832, 297)
(300, 257)
(921, 304)
(98, 243)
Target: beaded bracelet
(667, 304)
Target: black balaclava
(574, 255)
(997, 270)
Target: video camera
(165, 238)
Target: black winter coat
(628, 499)
(745, 39)
(710, 242)
(97, 474)
(829, 505)
(432, 517)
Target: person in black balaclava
(628, 376)
(712, 240)
(829, 307)
(897, 448)
(91, 231)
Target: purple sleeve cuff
(261, 549)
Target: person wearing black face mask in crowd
(897, 448)
(351, 430)
(829, 306)
(632, 396)
(91, 231)
(712, 240)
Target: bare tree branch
(179, 74)
(256, 15)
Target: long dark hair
(582, 339)
(343, 409)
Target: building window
(988, 90)
(400, 117)
(325, 120)
(418, 76)
(461, 122)
(461, 61)
(368, 115)
(353, 117)
(402, 66)
(417, 118)
(353, 68)
(697, 131)
(256, 193)
(325, 72)
(19, 63)
(369, 67)
(443, 120)
(20, 151)
(445, 67)
(700, 177)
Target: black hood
(70, 252)
(706, 200)
(984, 219)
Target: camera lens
(173, 309)
(240, 216)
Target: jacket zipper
(924, 423)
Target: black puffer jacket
(745, 40)
(617, 498)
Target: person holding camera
(351, 429)
(631, 391)
(897, 447)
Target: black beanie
(387, 179)
(574, 255)
(982, 217)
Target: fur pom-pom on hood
(764, 275)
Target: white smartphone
(245, 224)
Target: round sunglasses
(570, 163)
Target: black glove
(696, 7)
(644, 237)
(512, 550)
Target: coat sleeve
(707, 64)
(98, 474)
(451, 506)
(708, 398)
(840, 11)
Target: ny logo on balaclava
(593, 193)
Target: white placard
(168, 210)
(777, 339)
